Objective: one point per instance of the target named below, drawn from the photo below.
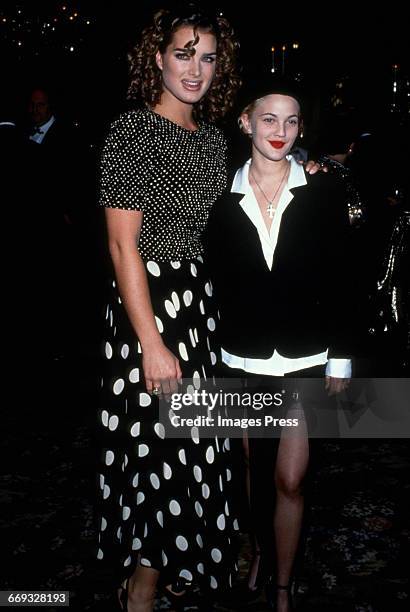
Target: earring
(301, 135)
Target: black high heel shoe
(271, 592)
(179, 594)
(244, 593)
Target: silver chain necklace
(270, 208)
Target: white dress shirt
(276, 365)
(42, 130)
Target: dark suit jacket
(300, 307)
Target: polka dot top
(170, 173)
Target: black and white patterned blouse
(172, 174)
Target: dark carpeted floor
(357, 554)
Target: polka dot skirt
(163, 503)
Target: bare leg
(253, 570)
(141, 589)
(291, 466)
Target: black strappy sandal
(271, 592)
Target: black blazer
(300, 307)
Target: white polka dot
(126, 512)
(186, 574)
(195, 434)
(140, 497)
(187, 297)
(118, 386)
(196, 378)
(145, 530)
(119, 533)
(160, 518)
(106, 491)
(201, 568)
(139, 349)
(135, 480)
(192, 338)
(196, 334)
(170, 308)
(201, 307)
(174, 507)
(228, 474)
(197, 473)
(236, 525)
(125, 350)
(100, 554)
(153, 268)
(145, 399)
(104, 418)
(143, 450)
(205, 491)
(176, 264)
(226, 509)
(221, 484)
(213, 583)
(111, 318)
(194, 270)
(107, 311)
(211, 324)
(199, 541)
(167, 471)
(108, 350)
(182, 456)
(159, 430)
(145, 562)
(213, 358)
(221, 522)
(113, 423)
(109, 458)
(216, 555)
(198, 509)
(155, 481)
(227, 444)
(134, 375)
(160, 326)
(190, 390)
(102, 481)
(164, 558)
(136, 544)
(135, 429)
(120, 501)
(175, 300)
(210, 454)
(182, 543)
(182, 351)
(208, 289)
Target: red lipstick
(276, 144)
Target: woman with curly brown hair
(164, 511)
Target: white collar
(46, 126)
(296, 178)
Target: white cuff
(339, 368)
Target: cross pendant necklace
(270, 208)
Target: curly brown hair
(146, 79)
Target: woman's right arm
(161, 368)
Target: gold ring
(156, 390)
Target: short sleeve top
(172, 174)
